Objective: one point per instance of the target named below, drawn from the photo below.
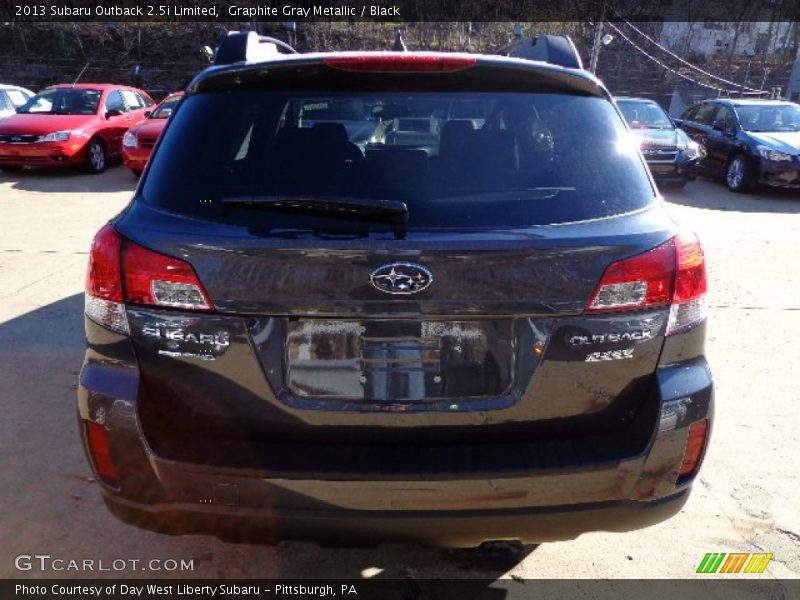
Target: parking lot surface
(745, 499)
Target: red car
(138, 141)
(67, 124)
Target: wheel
(737, 176)
(11, 168)
(136, 172)
(96, 159)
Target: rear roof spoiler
(248, 46)
(554, 49)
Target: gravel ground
(745, 499)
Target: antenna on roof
(399, 45)
(81, 73)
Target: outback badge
(401, 278)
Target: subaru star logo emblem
(401, 278)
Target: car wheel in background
(96, 159)
(737, 175)
(11, 168)
(136, 172)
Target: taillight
(103, 278)
(672, 274)
(121, 271)
(643, 280)
(104, 282)
(689, 302)
(693, 453)
(156, 279)
(100, 451)
(400, 62)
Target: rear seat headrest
(331, 132)
(478, 149)
(454, 133)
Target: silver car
(11, 98)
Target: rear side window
(705, 113)
(689, 113)
(726, 115)
(132, 100)
(458, 160)
(144, 100)
(114, 101)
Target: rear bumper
(451, 509)
(443, 528)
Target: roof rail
(248, 46)
(554, 49)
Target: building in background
(793, 87)
(745, 38)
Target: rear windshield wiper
(356, 208)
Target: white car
(11, 98)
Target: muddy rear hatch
(394, 268)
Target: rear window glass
(458, 160)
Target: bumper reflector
(693, 453)
(110, 315)
(97, 439)
(684, 315)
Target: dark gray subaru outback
(407, 296)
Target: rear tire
(11, 168)
(738, 175)
(96, 158)
(136, 172)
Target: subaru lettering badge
(401, 278)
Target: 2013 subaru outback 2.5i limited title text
(407, 296)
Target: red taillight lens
(689, 302)
(103, 276)
(695, 444)
(636, 282)
(121, 271)
(157, 279)
(100, 451)
(673, 273)
(690, 280)
(400, 62)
